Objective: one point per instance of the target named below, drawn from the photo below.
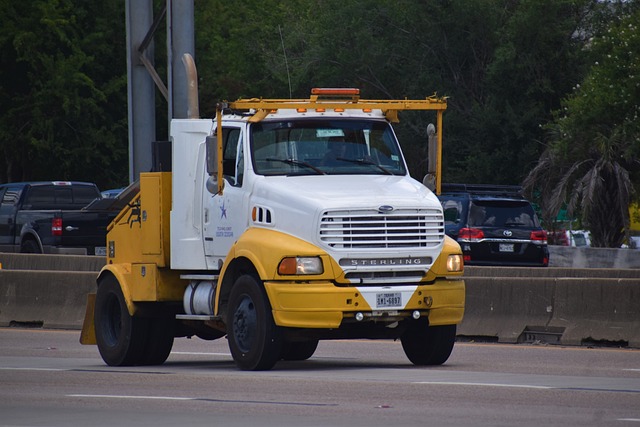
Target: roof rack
(340, 99)
(484, 189)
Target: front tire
(428, 345)
(120, 337)
(254, 339)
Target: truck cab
(282, 223)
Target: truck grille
(402, 228)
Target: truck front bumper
(326, 305)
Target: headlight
(455, 263)
(300, 265)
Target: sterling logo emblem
(385, 209)
(507, 233)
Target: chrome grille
(402, 228)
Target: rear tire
(428, 345)
(298, 350)
(120, 337)
(30, 246)
(159, 340)
(254, 339)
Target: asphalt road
(48, 379)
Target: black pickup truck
(52, 217)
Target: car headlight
(300, 265)
(455, 263)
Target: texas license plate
(506, 247)
(388, 299)
(100, 250)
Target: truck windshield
(316, 147)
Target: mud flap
(88, 334)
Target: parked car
(576, 238)
(113, 193)
(494, 225)
(52, 217)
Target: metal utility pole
(141, 74)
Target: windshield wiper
(297, 163)
(366, 162)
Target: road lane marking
(197, 399)
(109, 396)
(4, 368)
(196, 353)
(542, 387)
(485, 384)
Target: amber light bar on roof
(334, 91)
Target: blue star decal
(223, 211)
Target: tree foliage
(507, 67)
(591, 161)
(62, 92)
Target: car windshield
(318, 147)
(502, 213)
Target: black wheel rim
(244, 324)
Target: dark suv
(494, 225)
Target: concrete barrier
(502, 308)
(555, 272)
(11, 261)
(50, 299)
(507, 304)
(595, 310)
(586, 309)
(584, 257)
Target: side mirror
(211, 146)
(432, 149)
(429, 180)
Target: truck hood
(296, 204)
(340, 191)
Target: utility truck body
(281, 223)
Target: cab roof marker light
(301, 110)
(320, 110)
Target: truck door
(9, 197)
(225, 216)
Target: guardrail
(558, 305)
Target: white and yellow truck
(281, 223)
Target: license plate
(392, 299)
(506, 247)
(100, 250)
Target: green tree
(504, 67)
(61, 108)
(591, 161)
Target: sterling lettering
(383, 262)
